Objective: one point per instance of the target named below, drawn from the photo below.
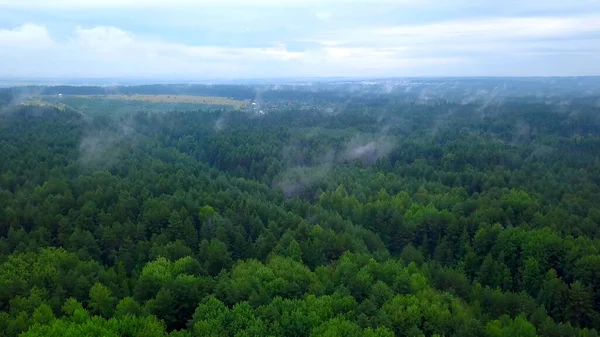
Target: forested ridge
(381, 217)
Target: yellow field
(191, 99)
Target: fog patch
(102, 149)
(294, 181)
(368, 151)
(220, 123)
(522, 132)
(297, 179)
(540, 152)
(425, 95)
(442, 121)
(26, 95)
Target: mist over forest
(341, 207)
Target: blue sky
(205, 39)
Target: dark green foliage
(465, 220)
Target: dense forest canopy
(346, 209)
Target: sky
(236, 39)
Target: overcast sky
(204, 39)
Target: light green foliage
(43, 315)
(519, 327)
(102, 302)
(129, 307)
(100, 327)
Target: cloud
(514, 5)
(547, 45)
(468, 31)
(500, 28)
(78, 4)
(331, 38)
(323, 15)
(108, 41)
(26, 36)
(112, 52)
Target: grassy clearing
(189, 99)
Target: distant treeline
(467, 90)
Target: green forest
(332, 214)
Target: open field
(189, 99)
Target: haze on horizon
(205, 39)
